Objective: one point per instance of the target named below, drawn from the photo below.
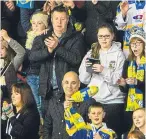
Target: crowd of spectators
(51, 50)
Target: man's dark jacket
(67, 56)
(54, 124)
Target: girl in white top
(105, 74)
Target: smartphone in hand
(93, 61)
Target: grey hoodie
(112, 61)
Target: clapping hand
(7, 109)
(51, 43)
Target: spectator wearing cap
(132, 81)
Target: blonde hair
(41, 16)
(133, 126)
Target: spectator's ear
(89, 115)
(104, 114)
(79, 84)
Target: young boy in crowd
(97, 129)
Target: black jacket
(26, 126)
(102, 12)
(54, 124)
(68, 56)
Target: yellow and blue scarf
(135, 95)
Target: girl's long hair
(133, 126)
(27, 98)
(95, 47)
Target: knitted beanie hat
(139, 34)
(40, 17)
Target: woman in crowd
(24, 124)
(11, 56)
(104, 73)
(39, 22)
(132, 81)
(131, 16)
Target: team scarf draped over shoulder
(135, 95)
(77, 128)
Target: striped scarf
(135, 95)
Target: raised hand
(10, 5)
(124, 8)
(5, 35)
(51, 43)
(68, 3)
(47, 8)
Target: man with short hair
(60, 51)
(54, 124)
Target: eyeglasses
(138, 43)
(103, 36)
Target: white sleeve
(120, 23)
(84, 76)
(144, 20)
(111, 76)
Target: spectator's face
(70, 84)
(3, 51)
(105, 38)
(137, 47)
(94, 1)
(96, 115)
(59, 22)
(139, 118)
(38, 26)
(16, 98)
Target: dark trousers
(114, 117)
(127, 121)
